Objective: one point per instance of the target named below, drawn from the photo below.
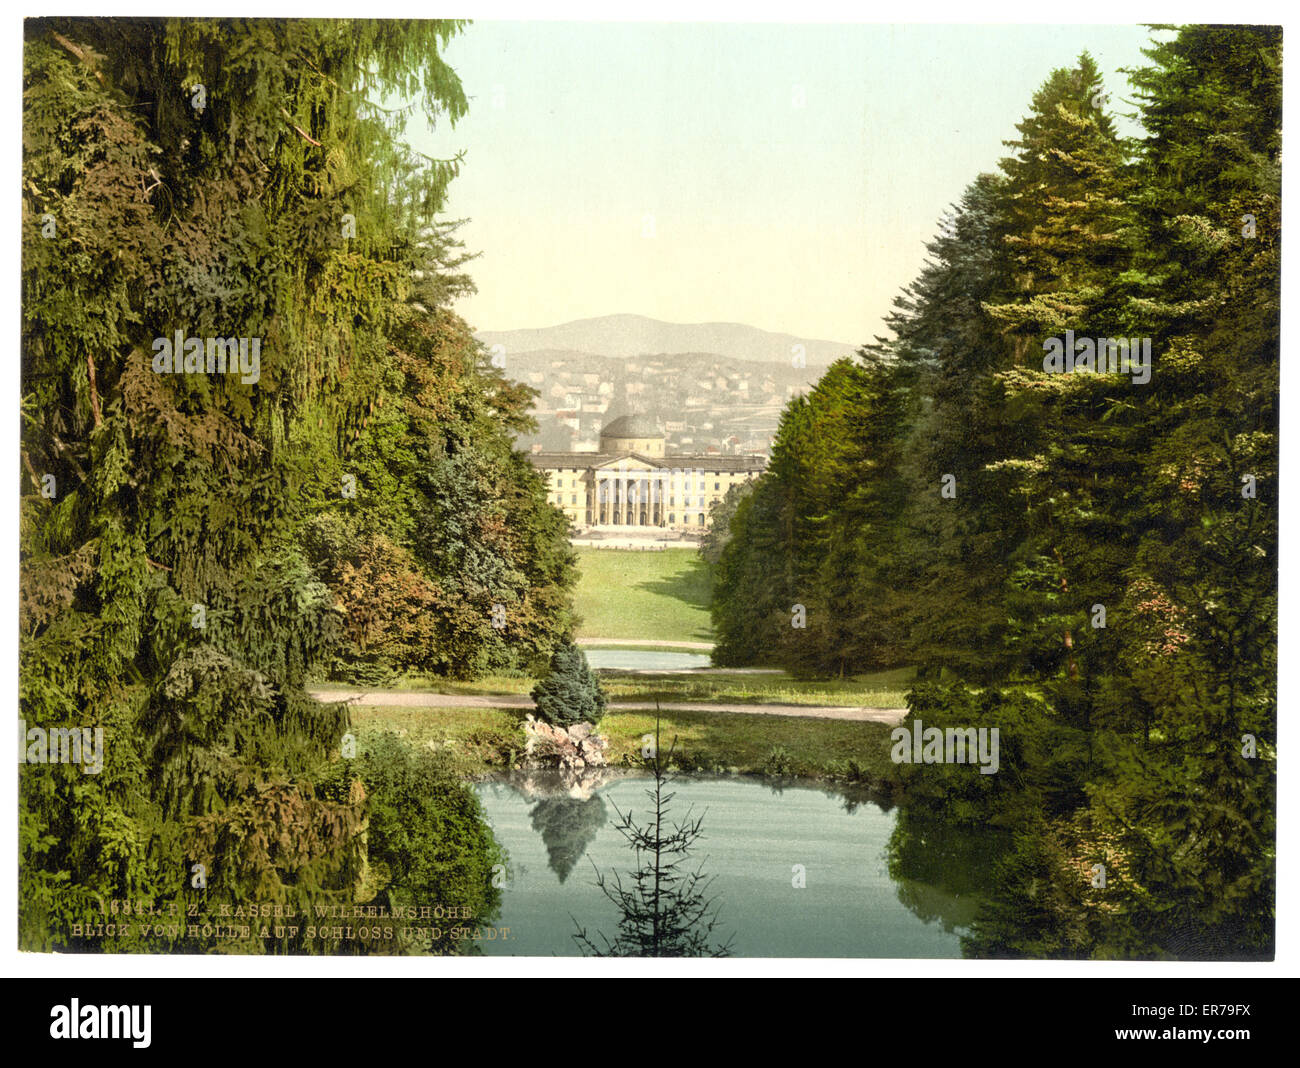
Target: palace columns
(631, 498)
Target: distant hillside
(701, 400)
(636, 335)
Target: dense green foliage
(721, 512)
(426, 840)
(570, 693)
(1090, 560)
(448, 560)
(195, 546)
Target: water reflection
(567, 826)
(943, 874)
(877, 883)
(644, 660)
(848, 795)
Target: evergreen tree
(570, 693)
(234, 179)
(665, 910)
(1109, 544)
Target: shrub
(570, 694)
(427, 840)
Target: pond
(856, 902)
(644, 660)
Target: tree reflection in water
(567, 826)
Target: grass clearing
(641, 647)
(747, 744)
(487, 685)
(624, 593)
(482, 740)
(479, 740)
(882, 689)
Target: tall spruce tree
(230, 179)
(1110, 545)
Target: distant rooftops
(581, 460)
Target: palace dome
(631, 426)
(632, 433)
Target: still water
(754, 836)
(644, 660)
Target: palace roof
(666, 463)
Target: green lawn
(481, 740)
(748, 744)
(880, 689)
(662, 595)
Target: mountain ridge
(629, 335)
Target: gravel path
(444, 700)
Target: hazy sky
(780, 176)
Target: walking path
(443, 700)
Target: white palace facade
(631, 483)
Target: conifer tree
(665, 909)
(236, 179)
(1110, 544)
(570, 693)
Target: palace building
(630, 482)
